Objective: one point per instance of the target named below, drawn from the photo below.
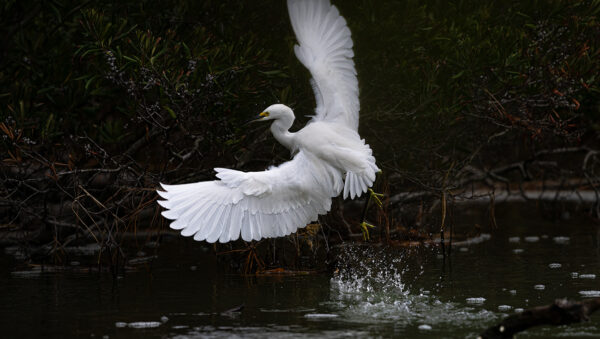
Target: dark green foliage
(103, 68)
(99, 101)
(474, 83)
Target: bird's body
(329, 155)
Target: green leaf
(458, 75)
(89, 81)
(171, 112)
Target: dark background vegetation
(102, 100)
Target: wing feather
(325, 49)
(222, 227)
(247, 229)
(253, 205)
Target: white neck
(280, 129)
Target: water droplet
(532, 239)
(504, 308)
(539, 287)
(555, 265)
(513, 292)
(574, 275)
(120, 324)
(518, 250)
(425, 327)
(519, 310)
(514, 239)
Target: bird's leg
(364, 225)
(376, 196)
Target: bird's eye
(264, 114)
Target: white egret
(329, 155)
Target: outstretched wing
(325, 48)
(257, 205)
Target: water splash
(371, 270)
(372, 285)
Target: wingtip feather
(163, 194)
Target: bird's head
(273, 112)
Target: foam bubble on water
(539, 287)
(555, 265)
(587, 276)
(475, 240)
(532, 238)
(288, 310)
(144, 324)
(476, 301)
(518, 250)
(27, 274)
(320, 315)
(514, 239)
(164, 319)
(519, 310)
(590, 294)
(561, 240)
(425, 327)
(504, 308)
(120, 324)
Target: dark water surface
(377, 292)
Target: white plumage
(329, 155)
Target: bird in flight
(328, 154)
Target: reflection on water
(374, 292)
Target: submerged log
(561, 312)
